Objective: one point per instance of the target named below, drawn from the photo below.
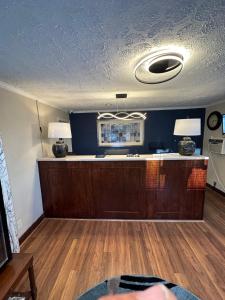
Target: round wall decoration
(214, 120)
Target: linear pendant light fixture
(122, 115)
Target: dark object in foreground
(12, 275)
(130, 283)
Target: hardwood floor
(72, 256)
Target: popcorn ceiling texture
(78, 54)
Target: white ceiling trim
(21, 92)
(139, 109)
(216, 103)
(16, 90)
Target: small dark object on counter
(99, 155)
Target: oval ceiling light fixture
(160, 66)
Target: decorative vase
(186, 146)
(60, 149)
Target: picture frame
(120, 133)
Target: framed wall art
(120, 133)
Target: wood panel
(54, 187)
(117, 192)
(66, 190)
(181, 190)
(192, 207)
(168, 189)
(151, 183)
(171, 190)
(189, 254)
(80, 199)
(151, 171)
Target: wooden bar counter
(166, 186)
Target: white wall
(216, 168)
(19, 128)
(48, 114)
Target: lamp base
(60, 149)
(186, 146)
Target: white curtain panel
(8, 202)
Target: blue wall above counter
(159, 127)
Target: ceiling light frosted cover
(159, 67)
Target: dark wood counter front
(153, 189)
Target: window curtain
(8, 202)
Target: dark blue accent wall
(159, 127)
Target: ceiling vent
(159, 67)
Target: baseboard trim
(215, 189)
(129, 220)
(30, 229)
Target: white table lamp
(187, 128)
(59, 130)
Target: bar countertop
(164, 156)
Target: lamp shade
(187, 127)
(59, 130)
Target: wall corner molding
(10, 88)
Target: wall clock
(214, 120)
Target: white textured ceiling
(78, 54)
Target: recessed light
(159, 67)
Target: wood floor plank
(71, 256)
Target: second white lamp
(187, 128)
(59, 130)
